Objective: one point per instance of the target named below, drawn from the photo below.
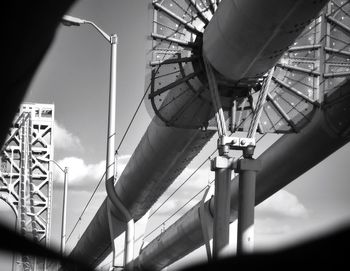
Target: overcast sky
(75, 77)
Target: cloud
(282, 204)
(279, 220)
(271, 226)
(65, 140)
(196, 183)
(78, 171)
(275, 217)
(82, 175)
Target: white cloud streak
(282, 204)
(65, 140)
(83, 176)
(278, 220)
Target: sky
(75, 77)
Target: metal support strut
(247, 169)
(223, 166)
(221, 231)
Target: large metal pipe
(328, 131)
(160, 157)
(246, 37)
(164, 152)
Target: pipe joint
(114, 39)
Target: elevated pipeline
(164, 152)
(328, 131)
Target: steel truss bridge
(26, 176)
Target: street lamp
(110, 165)
(74, 21)
(64, 209)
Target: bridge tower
(26, 176)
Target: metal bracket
(222, 162)
(226, 143)
(114, 39)
(236, 143)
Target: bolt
(234, 141)
(242, 142)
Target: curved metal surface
(237, 50)
(178, 97)
(306, 149)
(295, 88)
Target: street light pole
(64, 212)
(113, 198)
(111, 132)
(64, 208)
(110, 163)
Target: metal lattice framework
(316, 63)
(25, 175)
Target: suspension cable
(182, 184)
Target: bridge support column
(221, 231)
(247, 169)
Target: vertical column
(64, 212)
(110, 166)
(247, 169)
(129, 245)
(221, 231)
(111, 133)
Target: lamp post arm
(64, 207)
(63, 170)
(104, 34)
